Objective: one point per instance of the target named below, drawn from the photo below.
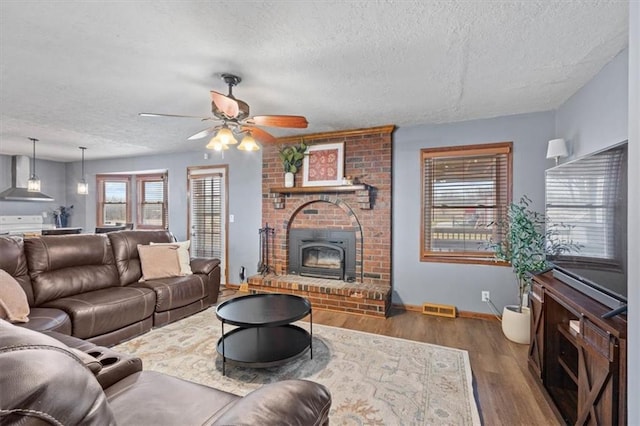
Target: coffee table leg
(224, 359)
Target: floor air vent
(439, 310)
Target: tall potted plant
(525, 246)
(291, 157)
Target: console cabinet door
(536, 348)
(597, 376)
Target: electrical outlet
(485, 296)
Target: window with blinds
(207, 213)
(152, 211)
(114, 199)
(465, 190)
(585, 196)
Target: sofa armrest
(201, 265)
(291, 402)
(211, 269)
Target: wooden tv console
(584, 373)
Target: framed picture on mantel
(324, 165)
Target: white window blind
(207, 216)
(152, 201)
(465, 189)
(584, 194)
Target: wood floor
(505, 388)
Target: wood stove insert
(323, 253)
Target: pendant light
(33, 184)
(83, 186)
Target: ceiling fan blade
(202, 134)
(228, 106)
(294, 121)
(259, 134)
(153, 114)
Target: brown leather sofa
(45, 381)
(89, 286)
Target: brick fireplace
(350, 274)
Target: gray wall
(416, 282)
(633, 360)
(244, 180)
(596, 116)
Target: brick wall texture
(368, 157)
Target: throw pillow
(183, 255)
(14, 306)
(159, 261)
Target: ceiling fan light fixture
(225, 135)
(248, 144)
(216, 144)
(33, 184)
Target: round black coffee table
(265, 336)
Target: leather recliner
(44, 381)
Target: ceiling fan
(234, 118)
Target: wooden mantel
(318, 189)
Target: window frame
(506, 184)
(140, 199)
(101, 180)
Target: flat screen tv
(587, 198)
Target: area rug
(373, 379)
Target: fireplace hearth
(323, 253)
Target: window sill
(464, 260)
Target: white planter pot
(516, 326)
(288, 180)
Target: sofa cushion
(159, 261)
(48, 384)
(48, 319)
(102, 311)
(14, 306)
(66, 265)
(183, 255)
(125, 251)
(175, 292)
(13, 260)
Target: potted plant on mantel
(291, 157)
(525, 246)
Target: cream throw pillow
(159, 261)
(14, 306)
(183, 255)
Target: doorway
(208, 208)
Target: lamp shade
(225, 136)
(557, 148)
(216, 144)
(83, 187)
(248, 143)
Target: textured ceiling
(77, 73)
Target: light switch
(232, 218)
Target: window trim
(462, 151)
(140, 180)
(100, 184)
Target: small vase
(288, 180)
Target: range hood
(19, 178)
